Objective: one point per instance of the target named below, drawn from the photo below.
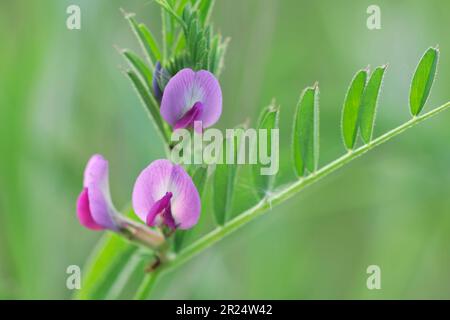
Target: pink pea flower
(192, 96)
(165, 194)
(94, 206)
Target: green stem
(147, 285)
(277, 197)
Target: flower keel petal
(94, 204)
(84, 213)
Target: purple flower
(94, 206)
(165, 194)
(192, 96)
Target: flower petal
(96, 171)
(158, 207)
(102, 211)
(84, 213)
(96, 181)
(160, 177)
(192, 115)
(187, 88)
(186, 202)
(150, 186)
(212, 99)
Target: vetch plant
(177, 83)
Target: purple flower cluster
(164, 194)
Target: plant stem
(277, 197)
(147, 285)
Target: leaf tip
(315, 85)
(273, 107)
(126, 14)
(119, 49)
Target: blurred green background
(63, 97)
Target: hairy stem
(273, 199)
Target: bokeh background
(63, 97)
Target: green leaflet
(181, 5)
(198, 40)
(269, 119)
(171, 12)
(351, 107)
(131, 275)
(423, 80)
(105, 267)
(305, 135)
(212, 54)
(150, 104)
(140, 67)
(225, 180)
(220, 57)
(205, 9)
(369, 103)
(151, 44)
(199, 177)
(195, 44)
(142, 40)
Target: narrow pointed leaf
(350, 111)
(205, 9)
(131, 274)
(423, 80)
(305, 136)
(212, 54)
(220, 57)
(106, 266)
(181, 6)
(225, 180)
(140, 67)
(151, 44)
(142, 40)
(170, 11)
(149, 103)
(269, 119)
(199, 177)
(369, 104)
